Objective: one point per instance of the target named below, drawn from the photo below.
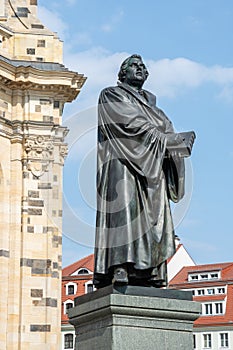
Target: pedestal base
(131, 318)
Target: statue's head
(133, 71)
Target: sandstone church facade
(34, 86)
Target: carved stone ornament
(63, 151)
(39, 153)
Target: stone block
(33, 194)
(40, 328)
(36, 293)
(32, 211)
(131, 318)
(4, 253)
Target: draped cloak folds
(136, 178)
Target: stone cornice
(16, 130)
(67, 83)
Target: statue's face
(135, 73)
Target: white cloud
(71, 2)
(199, 245)
(171, 77)
(168, 77)
(100, 66)
(226, 94)
(52, 21)
(113, 21)
(81, 38)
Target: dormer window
(82, 271)
(193, 277)
(210, 291)
(203, 276)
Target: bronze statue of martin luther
(140, 169)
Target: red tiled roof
(180, 281)
(205, 298)
(182, 276)
(86, 262)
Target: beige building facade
(34, 86)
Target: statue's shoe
(120, 276)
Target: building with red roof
(77, 279)
(212, 286)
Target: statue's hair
(124, 66)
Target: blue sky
(188, 50)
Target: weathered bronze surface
(140, 169)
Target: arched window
(68, 306)
(69, 341)
(83, 272)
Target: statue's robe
(136, 179)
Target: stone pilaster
(34, 86)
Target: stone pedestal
(131, 318)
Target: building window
(221, 290)
(37, 26)
(47, 118)
(194, 341)
(71, 289)
(22, 11)
(224, 341)
(211, 291)
(40, 43)
(68, 306)
(37, 108)
(208, 309)
(219, 308)
(201, 292)
(90, 288)
(83, 272)
(193, 277)
(204, 276)
(69, 341)
(207, 341)
(56, 104)
(213, 308)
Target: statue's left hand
(188, 139)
